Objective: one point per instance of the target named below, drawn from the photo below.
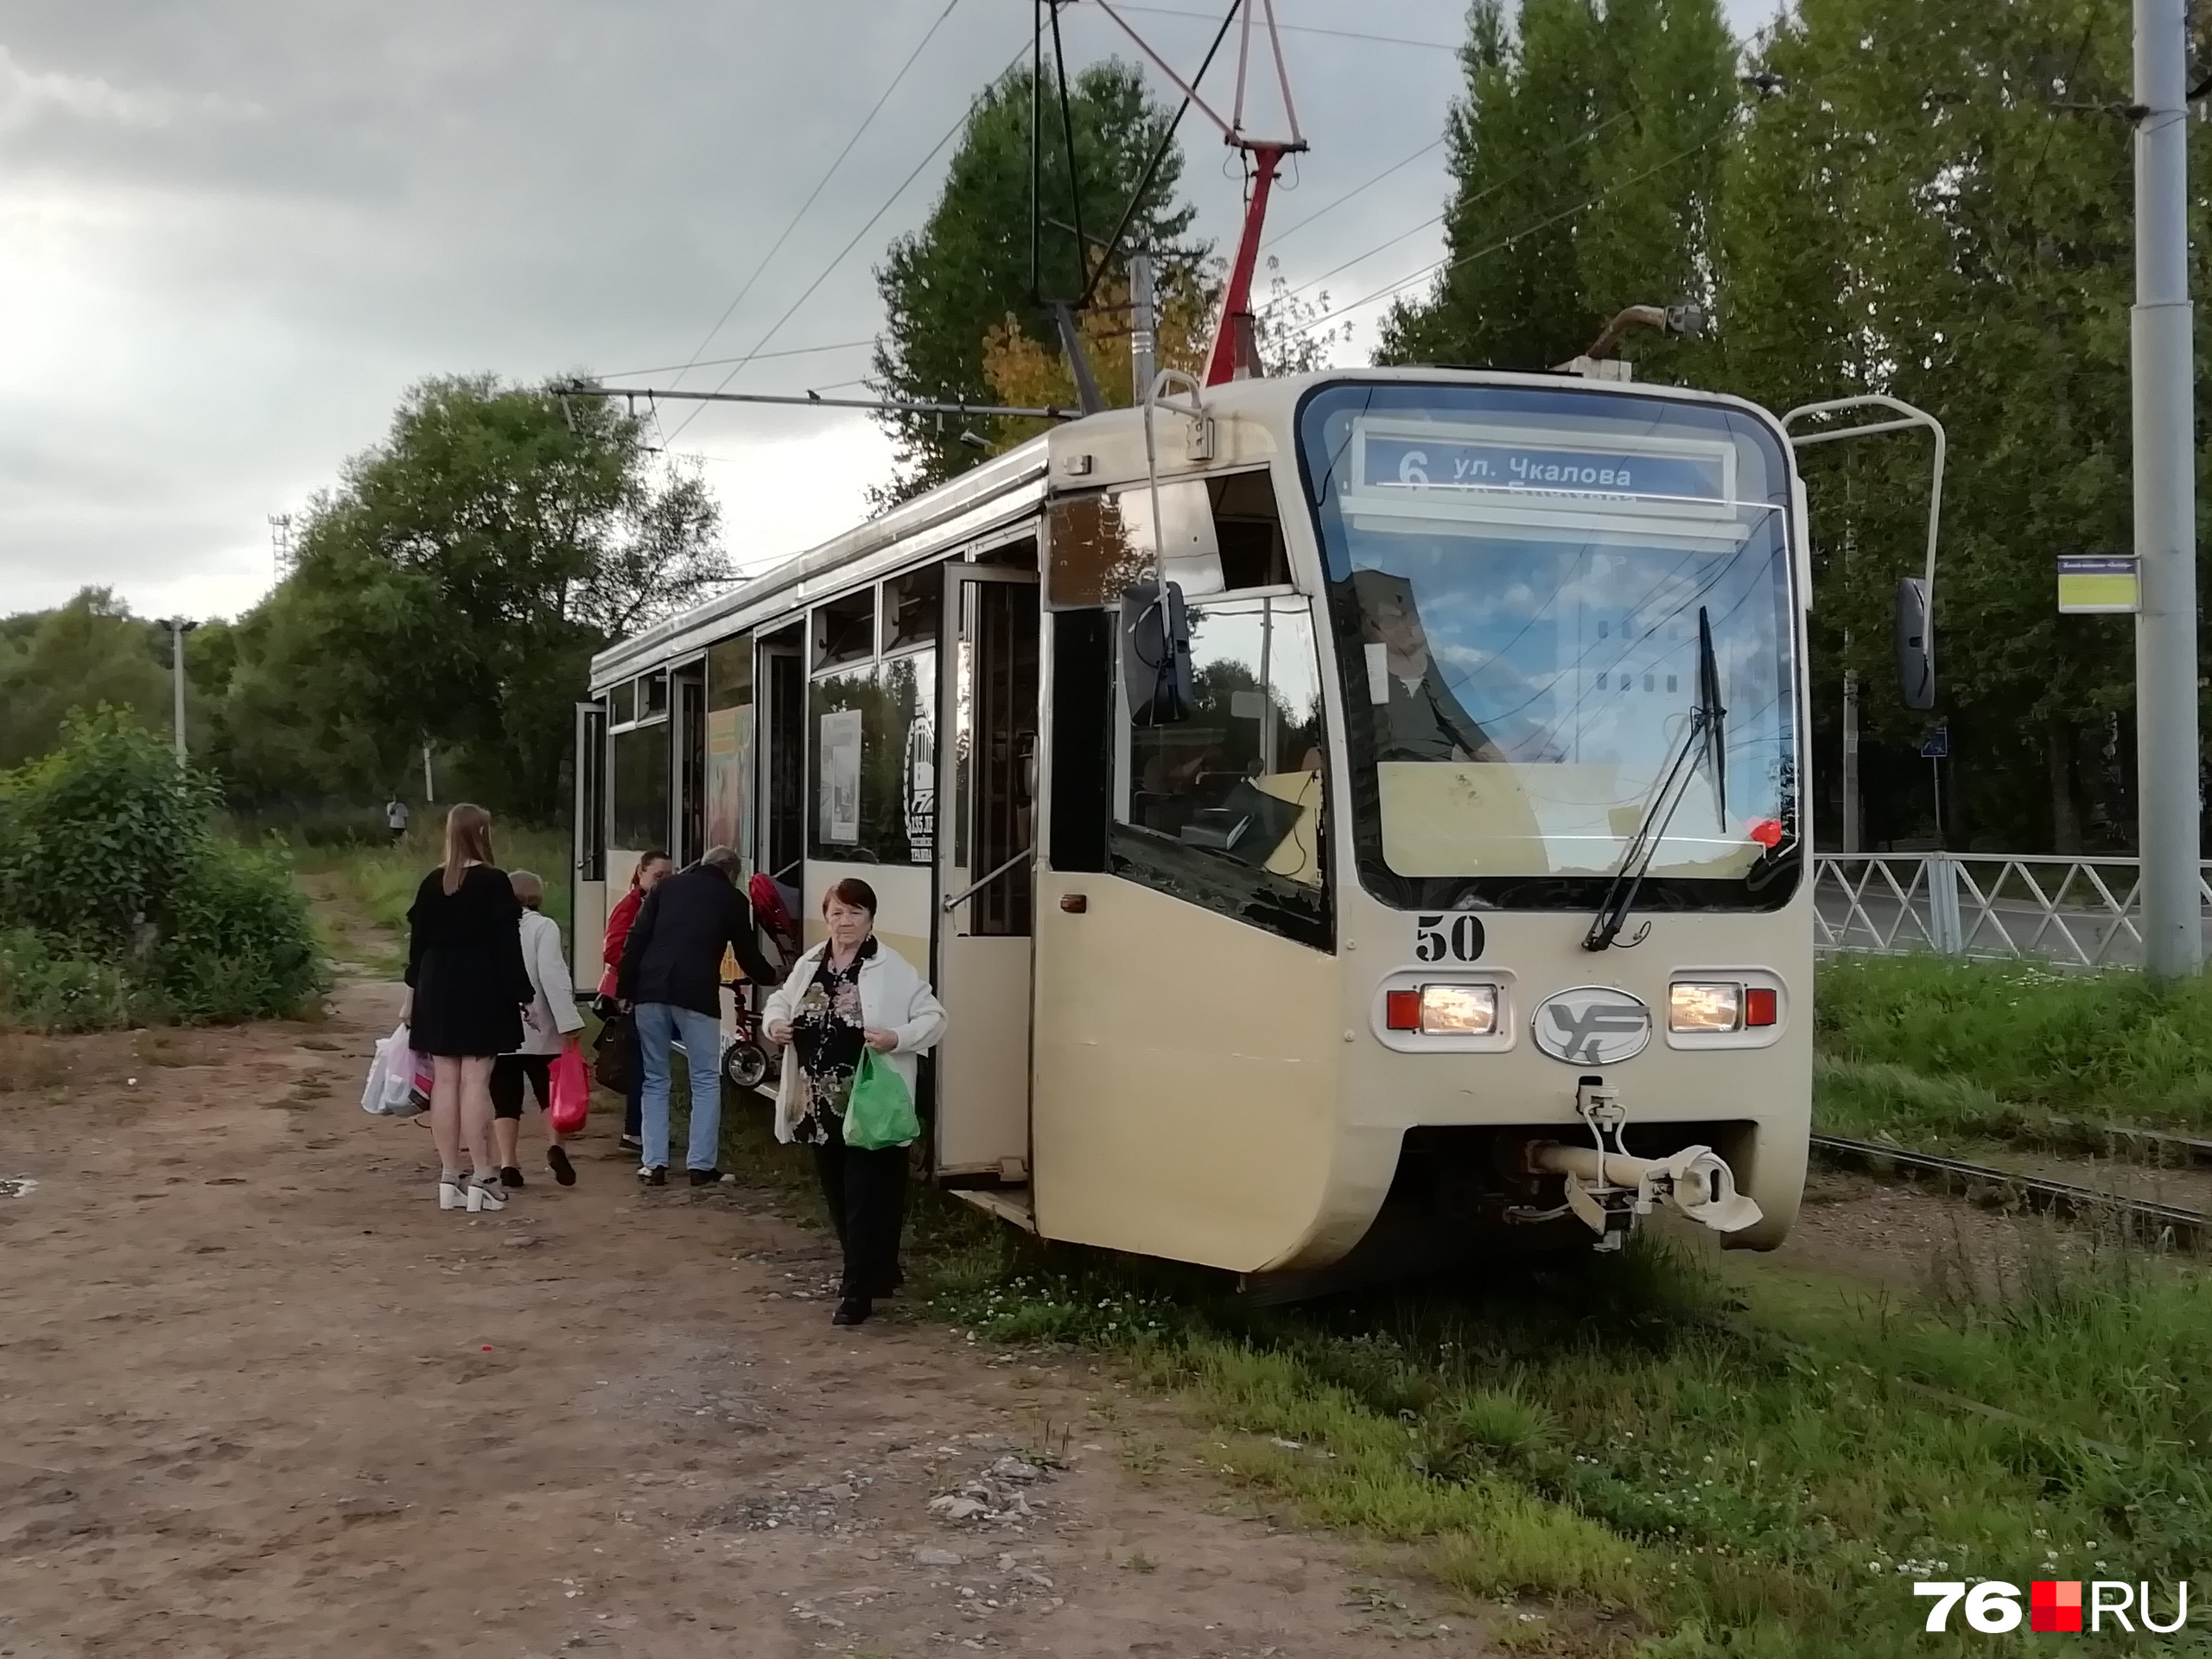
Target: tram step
(1006, 1203)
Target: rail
(2186, 1228)
(2077, 913)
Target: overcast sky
(232, 233)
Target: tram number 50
(1448, 938)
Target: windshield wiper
(1708, 723)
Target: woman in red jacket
(651, 868)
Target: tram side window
(1225, 809)
(638, 773)
(874, 743)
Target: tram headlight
(1704, 1006)
(1458, 1010)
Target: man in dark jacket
(672, 977)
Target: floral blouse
(826, 1035)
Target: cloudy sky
(231, 232)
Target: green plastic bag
(878, 1112)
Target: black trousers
(509, 1072)
(866, 1193)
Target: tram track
(2190, 1229)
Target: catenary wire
(1309, 28)
(821, 184)
(889, 201)
(1368, 185)
(717, 362)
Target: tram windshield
(1519, 581)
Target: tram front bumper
(1610, 1191)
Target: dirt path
(259, 1398)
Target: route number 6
(1448, 939)
(1412, 466)
(1992, 1606)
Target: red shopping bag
(570, 1088)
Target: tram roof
(1006, 488)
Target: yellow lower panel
(1187, 1076)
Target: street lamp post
(178, 628)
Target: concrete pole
(1144, 325)
(2165, 500)
(177, 676)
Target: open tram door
(986, 784)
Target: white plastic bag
(390, 1089)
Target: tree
(1023, 371)
(948, 286)
(453, 590)
(89, 652)
(1585, 155)
(1936, 207)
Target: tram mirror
(1156, 655)
(1916, 644)
(1186, 541)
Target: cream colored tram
(1292, 973)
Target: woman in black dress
(468, 992)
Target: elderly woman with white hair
(553, 1020)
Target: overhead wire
(1480, 196)
(1309, 28)
(1442, 266)
(837, 259)
(821, 184)
(717, 362)
(1369, 184)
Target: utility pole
(178, 628)
(430, 792)
(1144, 325)
(2165, 500)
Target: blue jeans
(659, 1025)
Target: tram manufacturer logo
(1592, 1024)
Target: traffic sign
(1937, 745)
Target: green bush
(119, 903)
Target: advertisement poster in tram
(729, 774)
(840, 805)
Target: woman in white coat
(848, 993)
(552, 1020)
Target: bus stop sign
(1937, 746)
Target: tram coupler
(1609, 1188)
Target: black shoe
(889, 1287)
(630, 1143)
(657, 1176)
(556, 1160)
(854, 1310)
(708, 1176)
(510, 1176)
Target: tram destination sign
(1391, 461)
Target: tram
(1354, 822)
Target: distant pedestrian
(650, 869)
(670, 981)
(556, 1019)
(468, 996)
(395, 819)
(850, 993)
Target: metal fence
(2066, 913)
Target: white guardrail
(2083, 912)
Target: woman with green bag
(855, 1014)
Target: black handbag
(615, 1057)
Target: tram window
(638, 771)
(729, 673)
(1228, 531)
(652, 697)
(844, 630)
(1225, 808)
(912, 605)
(1083, 734)
(874, 753)
(622, 703)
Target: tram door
(986, 782)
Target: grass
(1673, 1460)
(1932, 1051)
(375, 885)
